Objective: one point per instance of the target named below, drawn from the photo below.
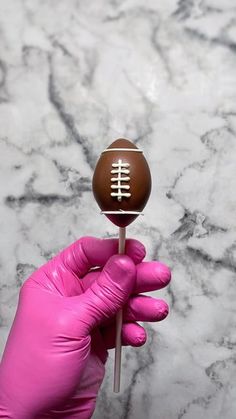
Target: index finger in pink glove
(89, 252)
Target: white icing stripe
(118, 187)
(120, 195)
(118, 165)
(122, 212)
(124, 178)
(125, 171)
(137, 150)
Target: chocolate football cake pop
(121, 186)
(122, 182)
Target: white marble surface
(73, 77)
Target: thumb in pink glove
(53, 363)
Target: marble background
(75, 75)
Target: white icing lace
(121, 170)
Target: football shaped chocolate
(122, 182)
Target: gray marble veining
(73, 77)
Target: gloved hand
(53, 363)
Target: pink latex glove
(53, 363)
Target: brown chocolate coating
(139, 182)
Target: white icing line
(122, 212)
(118, 165)
(120, 196)
(124, 178)
(118, 187)
(125, 171)
(137, 150)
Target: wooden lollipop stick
(119, 316)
